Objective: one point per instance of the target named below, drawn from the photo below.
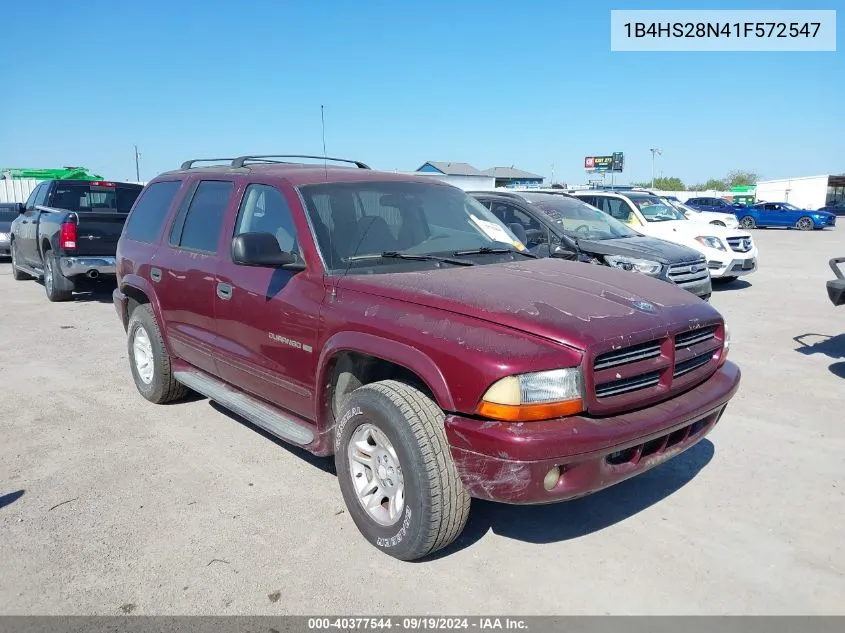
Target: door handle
(24, 221)
(155, 274)
(224, 291)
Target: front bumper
(507, 462)
(701, 288)
(121, 306)
(71, 266)
(732, 267)
(5, 244)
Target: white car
(711, 217)
(730, 252)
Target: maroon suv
(394, 322)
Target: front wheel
(747, 222)
(395, 470)
(805, 224)
(17, 275)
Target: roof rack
(268, 158)
(190, 163)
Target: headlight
(711, 242)
(537, 396)
(726, 346)
(645, 266)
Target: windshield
(789, 207)
(579, 219)
(355, 219)
(91, 197)
(680, 206)
(656, 210)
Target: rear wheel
(395, 470)
(56, 286)
(18, 275)
(805, 224)
(149, 360)
(747, 222)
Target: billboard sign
(613, 163)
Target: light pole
(655, 151)
(137, 168)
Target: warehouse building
(809, 192)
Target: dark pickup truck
(67, 233)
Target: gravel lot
(131, 507)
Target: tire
(56, 286)
(747, 222)
(805, 224)
(159, 385)
(17, 275)
(436, 503)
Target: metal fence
(17, 190)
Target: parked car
(836, 287)
(394, 322)
(730, 253)
(8, 212)
(716, 218)
(67, 232)
(837, 208)
(711, 204)
(563, 226)
(784, 214)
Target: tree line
(735, 178)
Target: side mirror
(519, 230)
(21, 208)
(262, 249)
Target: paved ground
(127, 506)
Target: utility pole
(137, 168)
(655, 151)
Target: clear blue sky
(491, 83)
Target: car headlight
(644, 266)
(711, 242)
(726, 346)
(540, 395)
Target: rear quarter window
(145, 221)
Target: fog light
(551, 478)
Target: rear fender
(137, 282)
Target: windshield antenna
(323, 126)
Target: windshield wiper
(411, 256)
(486, 250)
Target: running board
(283, 426)
(32, 272)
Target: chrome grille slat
(687, 339)
(627, 355)
(692, 364)
(628, 385)
(682, 273)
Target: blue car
(710, 204)
(783, 214)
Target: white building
(808, 192)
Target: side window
(265, 210)
(526, 220)
(30, 202)
(497, 209)
(204, 218)
(38, 195)
(146, 219)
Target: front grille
(688, 272)
(692, 364)
(627, 385)
(628, 355)
(740, 244)
(650, 370)
(686, 339)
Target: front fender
(390, 350)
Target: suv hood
(642, 246)
(572, 303)
(692, 229)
